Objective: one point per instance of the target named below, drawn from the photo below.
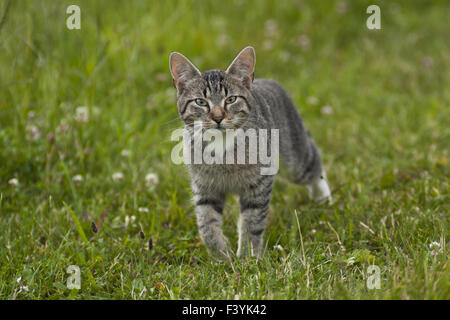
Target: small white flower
(77, 178)
(129, 220)
(434, 245)
(143, 210)
(313, 231)
(117, 176)
(82, 114)
(278, 247)
(125, 153)
(435, 248)
(326, 110)
(14, 182)
(151, 180)
(33, 132)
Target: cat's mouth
(224, 125)
(220, 127)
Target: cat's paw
(319, 191)
(324, 200)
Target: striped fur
(260, 104)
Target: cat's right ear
(182, 70)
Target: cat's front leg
(253, 217)
(209, 211)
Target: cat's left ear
(243, 66)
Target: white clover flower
(151, 180)
(143, 210)
(117, 176)
(77, 178)
(14, 182)
(435, 245)
(33, 132)
(129, 220)
(313, 231)
(125, 153)
(278, 247)
(436, 248)
(82, 114)
(326, 110)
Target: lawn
(86, 118)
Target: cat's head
(216, 99)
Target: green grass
(385, 147)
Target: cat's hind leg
(253, 217)
(305, 166)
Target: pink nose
(217, 118)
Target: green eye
(230, 99)
(201, 102)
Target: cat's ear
(182, 70)
(243, 66)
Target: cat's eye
(230, 99)
(201, 102)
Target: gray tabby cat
(232, 99)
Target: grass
(384, 137)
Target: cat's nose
(218, 118)
(217, 115)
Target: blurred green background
(78, 106)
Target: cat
(233, 99)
